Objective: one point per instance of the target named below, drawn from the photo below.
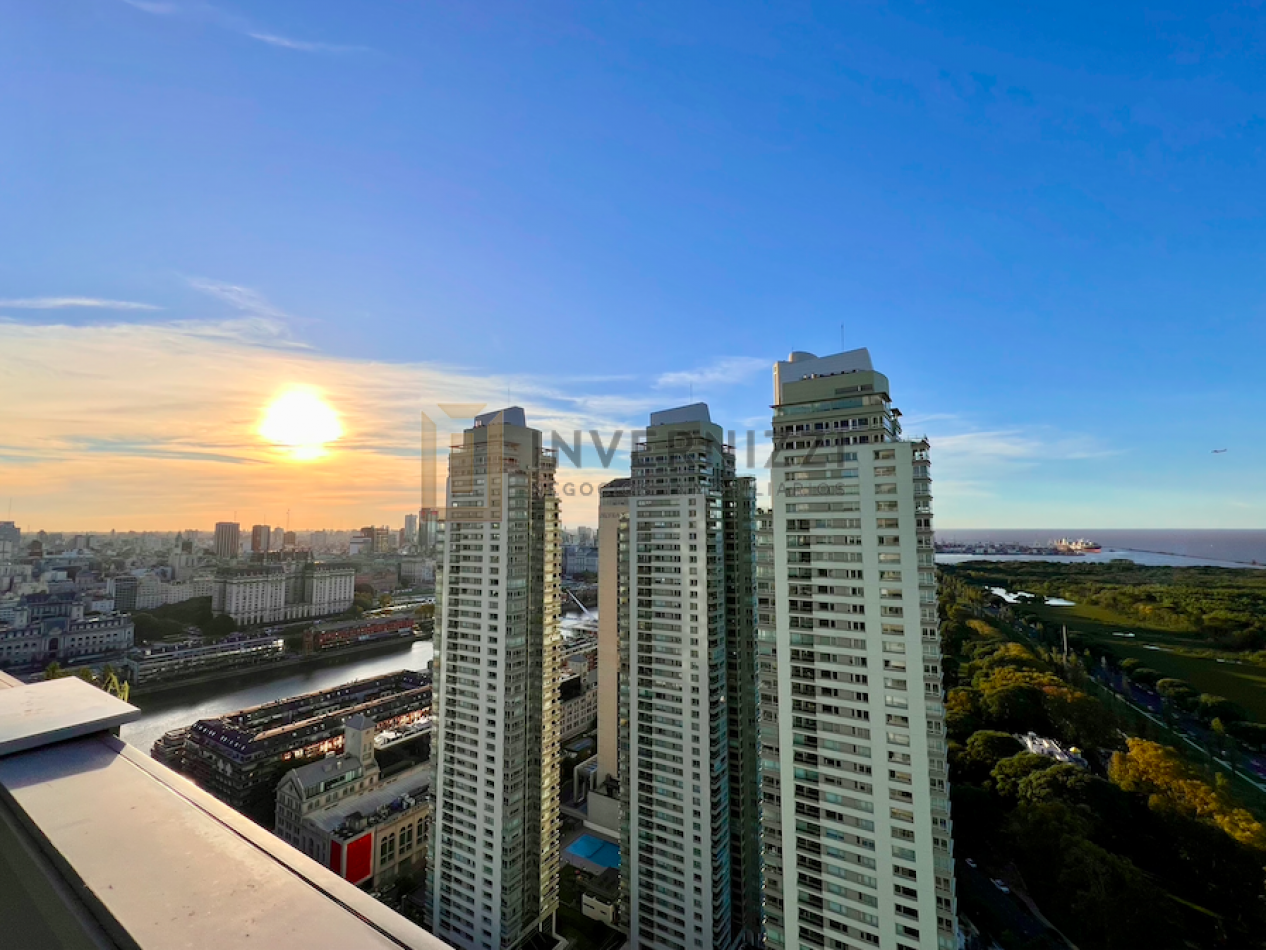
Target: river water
(185, 706)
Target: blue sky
(1044, 222)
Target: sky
(1045, 221)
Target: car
(1001, 886)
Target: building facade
(283, 591)
(157, 662)
(688, 722)
(494, 849)
(228, 540)
(856, 823)
(47, 627)
(261, 539)
(339, 811)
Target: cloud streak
(724, 372)
(238, 297)
(215, 16)
(157, 9)
(66, 303)
(305, 46)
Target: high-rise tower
(261, 536)
(493, 862)
(689, 864)
(855, 798)
(228, 538)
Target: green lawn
(1243, 683)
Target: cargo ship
(1079, 546)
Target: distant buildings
(145, 590)
(282, 592)
(579, 559)
(228, 541)
(336, 636)
(47, 627)
(261, 538)
(417, 570)
(10, 540)
(494, 852)
(428, 529)
(161, 662)
(411, 529)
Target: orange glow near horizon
(302, 423)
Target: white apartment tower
(493, 862)
(856, 823)
(688, 689)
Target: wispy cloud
(306, 46)
(63, 303)
(722, 372)
(238, 297)
(227, 20)
(157, 9)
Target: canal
(185, 706)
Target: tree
(983, 751)
(1144, 676)
(1176, 691)
(1015, 706)
(1007, 775)
(1110, 900)
(54, 671)
(1063, 782)
(1210, 707)
(1080, 719)
(962, 712)
(1157, 772)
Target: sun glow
(301, 422)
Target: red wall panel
(360, 858)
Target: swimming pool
(596, 850)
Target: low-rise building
(349, 633)
(1040, 745)
(340, 812)
(319, 784)
(167, 661)
(578, 706)
(48, 627)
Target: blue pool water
(596, 850)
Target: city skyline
(1046, 235)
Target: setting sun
(300, 421)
